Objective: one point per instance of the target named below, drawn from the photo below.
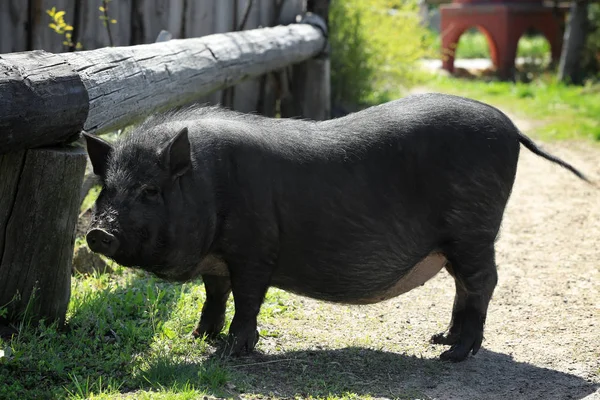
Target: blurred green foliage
(376, 48)
(474, 44)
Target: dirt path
(542, 337)
(546, 309)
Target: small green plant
(85, 389)
(213, 375)
(62, 28)
(107, 20)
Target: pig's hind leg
(212, 319)
(475, 276)
(451, 335)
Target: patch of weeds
(277, 303)
(86, 389)
(213, 375)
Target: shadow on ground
(367, 372)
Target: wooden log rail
(47, 99)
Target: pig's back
(360, 200)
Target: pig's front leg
(249, 283)
(212, 319)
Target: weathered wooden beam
(39, 200)
(42, 100)
(311, 82)
(124, 84)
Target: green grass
(535, 46)
(128, 336)
(126, 332)
(472, 45)
(557, 111)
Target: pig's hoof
(238, 344)
(444, 338)
(460, 350)
(209, 329)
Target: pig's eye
(150, 192)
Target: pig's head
(148, 214)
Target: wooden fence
(46, 99)
(24, 27)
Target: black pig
(352, 210)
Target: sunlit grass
(559, 111)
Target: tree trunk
(569, 69)
(39, 201)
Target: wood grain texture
(44, 97)
(39, 203)
(149, 17)
(152, 16)
(199, 18)
(13, 26)
(42, 100)
(266, 102)
(290, 10)
(124, 84)
(245, 94)
(200, 21)
(311, 82)
(311, 90)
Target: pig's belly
(423, 271)
(353, 290)
(417, 276)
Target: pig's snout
(102, 242)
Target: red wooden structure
(503, 22)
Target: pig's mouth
(108, 244)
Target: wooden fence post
(311, 83)
(39, 204)
(43, 103)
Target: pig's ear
(176, 154)
(98, 150)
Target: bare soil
(542, 338)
